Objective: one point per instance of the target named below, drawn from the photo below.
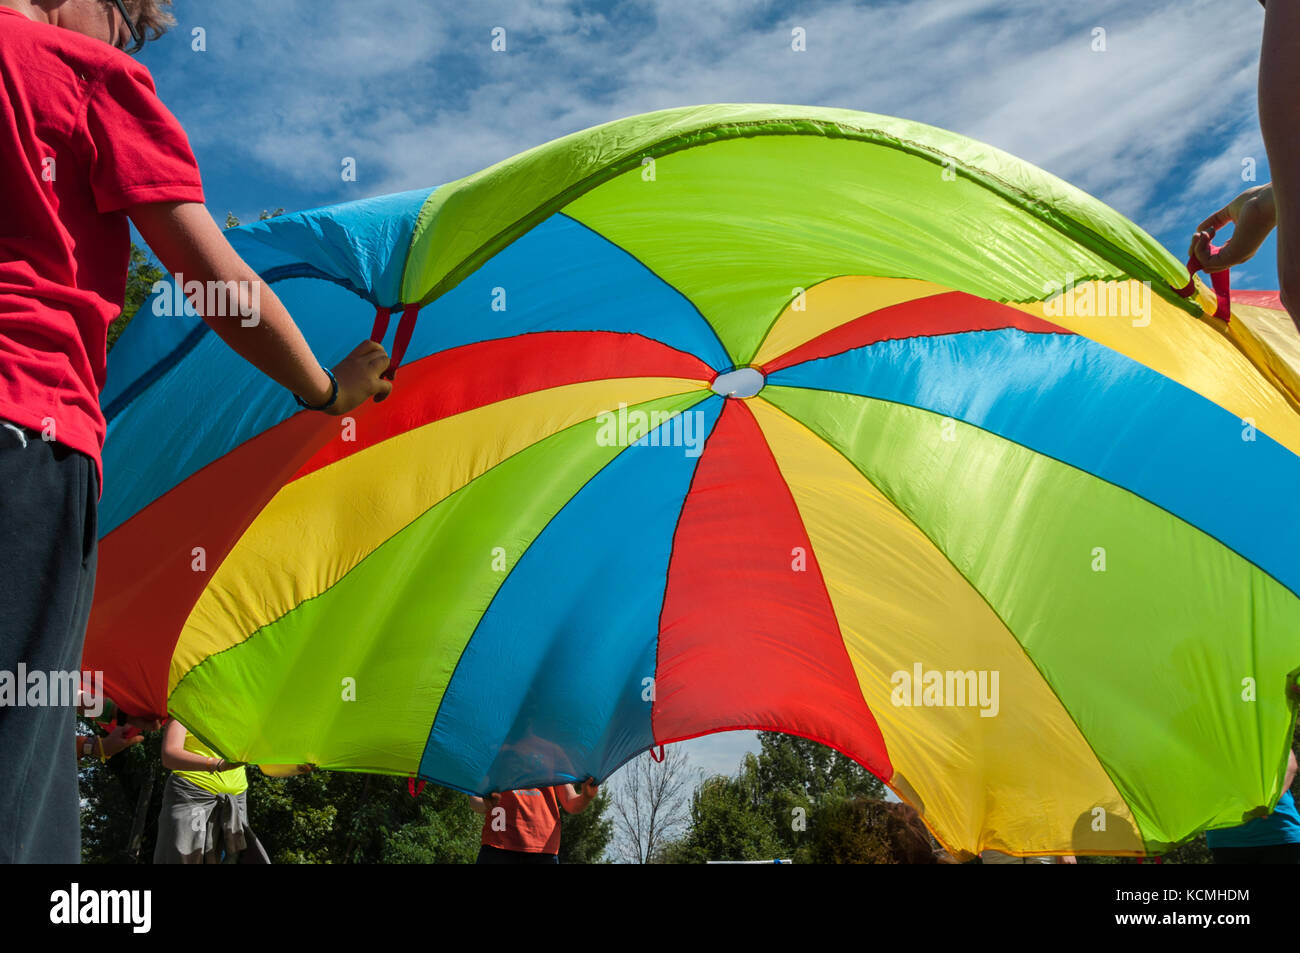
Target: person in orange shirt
(523, 826)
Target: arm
(188, 242)
(1279, 121)
(483, 805)
(575, 801)
(107, 746)
(176, 758)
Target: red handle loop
(405, 328)
(416, 790)
(381, 324)
(660, 756)
(1220, 280)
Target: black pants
(48, 499)
(1270, 854)
(495, 855)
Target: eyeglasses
(137, 38)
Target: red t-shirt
(83, 138)
(530, 824)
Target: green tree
(853, 831)
(786, 801)
(341, 817)
(142, 274)
(120, 800)
(584, 837)
(804, 784)
(729, 821)
(233, 222)
(799, 766)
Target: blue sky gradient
(1159, 125)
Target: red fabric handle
(381, 324)
(413, 788)
(1220, 280)
(131, 730)
(405, 328)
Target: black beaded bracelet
(334, 394)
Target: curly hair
(152, 18)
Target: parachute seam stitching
(1005, 625)
(737, 129)
(668, 571)
(666, 283)
(266, 625)
(910, 301)
(1088, 341)
(541, 531)
(825, 591)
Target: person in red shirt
(523, 826)
(86, 148)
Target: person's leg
(1267, 854)
(164, 848)
(186, 824)
(253, 851)
(1231, 855)
(1283, 854)
(48, 497)
(532, 857)
(495, 855)
(1279, 121)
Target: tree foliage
(141, 275)
(584, 837)
(327, 817)
(115, 827)
(777, 806)
(729, 821)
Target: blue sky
(1157, 125)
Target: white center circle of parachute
(742, 382)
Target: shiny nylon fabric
(483, 670)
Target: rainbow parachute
(731, 417)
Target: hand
(1253, 212)
(306, 768)
(144, 723)
(221, 764)
(590, 789)
(115, 741)
(358, 377)
(492, 800)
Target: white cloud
(1156, 125)
(415, 93)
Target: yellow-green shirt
(234, 781)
